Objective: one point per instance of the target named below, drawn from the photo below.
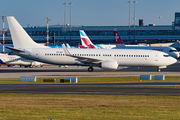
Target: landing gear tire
(90, 69)
(158, 70)
(30, 66)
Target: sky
(90, 12)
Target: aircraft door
(156, 56)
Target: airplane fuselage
(124, 57)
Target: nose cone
(173, 60)
(174, 54)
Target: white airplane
(25, 47)
(119, 44)
(12, 60)
(86, 43)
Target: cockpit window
(166, 55)
(172, 50)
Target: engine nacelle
(113, 65)
(36, 64)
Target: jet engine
(112, 65)
(36, 64)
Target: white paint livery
(105, 58)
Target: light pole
(64, 19)
(160, 20)
(70, 21)
(129, 18)
(65, 16)
(134, 19)
(47, 30)
(3, 33)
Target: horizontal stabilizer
(14, 49)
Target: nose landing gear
(158, 70)
(90, 69)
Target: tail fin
(85, 39)
(118, 40)
(19, 36)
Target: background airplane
(12, 60)
(119, 44)
(86, 42)
(103, 58)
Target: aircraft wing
(80, 58)
(14, 49)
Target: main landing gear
(158, 70)
(90, 69)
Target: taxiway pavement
(72, 71)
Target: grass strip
(92, 80)
(75, 107)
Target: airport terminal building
(104, 34)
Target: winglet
(68, 46)
(65, 50)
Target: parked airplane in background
(12, 60)
(86, 42)
(25, 47)
(120, 45)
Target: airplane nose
(173, 60)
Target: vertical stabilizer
(20, 38)
(118, 40)
(85, 39)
